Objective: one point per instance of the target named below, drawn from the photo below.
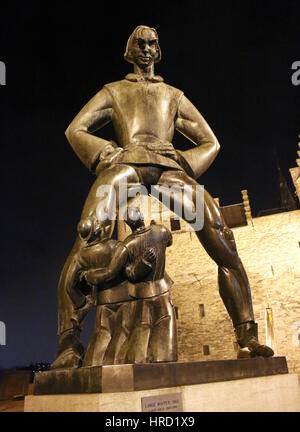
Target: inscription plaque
(171, 402)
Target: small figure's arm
(193, 126)
(116, 265)
(94, 115)
(136, 271)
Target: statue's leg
(137, 347)
(103, 331)
(163, 339)
(106, 193)
(124, 322)
(218, 241)
(70, 349)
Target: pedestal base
(135, 377)
(263, 394)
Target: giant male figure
(145, 112)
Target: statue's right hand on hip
(108, 155)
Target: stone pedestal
(259, 384)
(263, 394)
(149, 376)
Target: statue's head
(142, 47)
(91, 229)
(134, 218)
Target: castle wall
(295, 173)
(270, 250)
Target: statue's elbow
(71, 131)
(110, 274)
(216, 147)
(68, 133)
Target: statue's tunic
(157, 281)
(144, 114)
(143, 118)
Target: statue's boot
(70, 350)
(246, 335)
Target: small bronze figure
(145, 112)
(96, 274)
(93, 249)
(135, 320)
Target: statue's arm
(192, 125)
(116, 265)
(138, 270)
(93, 116)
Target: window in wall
(201, 310)
(206, 350)
(175, 224)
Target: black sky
(233, 61)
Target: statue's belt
(156, 153)
(157, 146)
(126, 291)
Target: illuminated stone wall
(270, 251)
(295, 173)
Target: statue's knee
(229, 237)
(220, 230)
(226, 254)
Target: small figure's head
(91, 229)
(134, 218)
(142, 47)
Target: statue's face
(92, 229)
(135, 218)
(145, 48)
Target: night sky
(232, 59)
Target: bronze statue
(135, 320)
(145, 113)
(76, 297)
(136, 323)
